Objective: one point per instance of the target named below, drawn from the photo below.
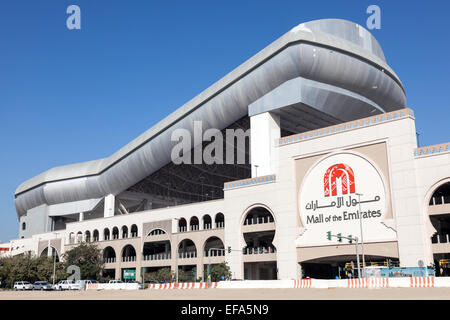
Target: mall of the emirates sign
(329, 201)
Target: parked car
(42, 285)
(67, 285)
(141, 286)
(115, 281)
(23, 285)
(83, 283)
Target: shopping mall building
(330, 138)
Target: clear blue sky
(70, 96)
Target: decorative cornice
(347, 126)
(432, 150)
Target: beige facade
(262, 221)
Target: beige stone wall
(198, 237)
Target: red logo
(343, 172)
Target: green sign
(129, 274)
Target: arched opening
(87, 236)
(134, 231)
(109, 255)
(220, 220)
(115, 233)
(96, 235)
(439, 213)
(207, 222)
(53, 255)
(79, 237)
(182, 225)
(157, 250)
(214, 246)
(128, 253)
(187, 249)
(71, 238)
(193, 224)
(441, 195)
(106, 234)
(124, 232)
(259, 250)
(156, 232)
(258, 215)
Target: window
(24, 225)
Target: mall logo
(342, 172)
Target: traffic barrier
(92, 286)
(256, 284)
(183, 285)
(397, 282)
(302, 283)
(422, 282)
(368, 283)
(112, 286)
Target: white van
(23, 285)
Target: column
(81, 216)
(109, 206)
(49, 249)
(200, 269)
(265, 129)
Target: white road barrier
(112, 286)
(369, 283)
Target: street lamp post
(176, 253)
(361, 230)
(357, 257)
(54, 260)
(209, 262)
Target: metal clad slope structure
(335, 60)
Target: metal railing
(258, 220)
(156, 232)
(259, 250)
(157, 256)
(215, 253)
(440, 238)
(218, 225)
(187, 254)
(440, 200)
(109, 260)
(129, 259)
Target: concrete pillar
(200, 269)
(109, 206)
(265, 129)
(81, 217)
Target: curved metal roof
(331, 51)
